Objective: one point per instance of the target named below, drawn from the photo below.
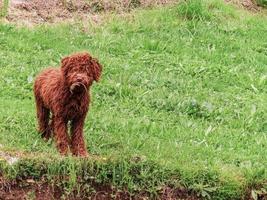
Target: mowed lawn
(188, 93)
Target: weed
(262, 3)
(194, 10)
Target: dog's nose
(79, 79)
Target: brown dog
(65, 92)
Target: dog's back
(47, 83)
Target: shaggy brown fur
(65, 92)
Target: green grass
(186, 91)
(262, 3)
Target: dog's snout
(79, 77)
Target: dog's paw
(46, 135)
(83, 154)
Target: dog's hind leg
(43, 119)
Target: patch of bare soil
(10, 159)
(30, 189)
(30, 12)
(247, 4)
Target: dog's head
(79, 71)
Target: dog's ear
(96, 69)
(64, 62)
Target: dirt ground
(41, 190)
(247, 4)
(29, 189)
(32, 12)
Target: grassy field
(184, 92)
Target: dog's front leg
(77, 139)
(61, 135)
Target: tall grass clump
(262, 3)
(3, 8)
(194, 10)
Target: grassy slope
(188, 95)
